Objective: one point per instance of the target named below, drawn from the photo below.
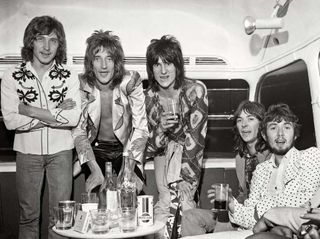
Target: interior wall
(207, 27)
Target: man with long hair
(113, 117)
(177, 136)
(251, 150)
(40, 100)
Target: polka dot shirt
(301, 179)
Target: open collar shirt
(298, 181)
(21, 84)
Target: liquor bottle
(108, 191)
(126, 184)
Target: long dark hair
(110, 43)
(169, 50)
(44, 25)
(257, 110)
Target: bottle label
(112, 200)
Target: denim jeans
(30, 174)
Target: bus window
(224, 97)
(290, 85)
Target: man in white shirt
(289, 178)
(40, 100)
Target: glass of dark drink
(221, 196)
(174, 108)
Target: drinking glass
(63, 217)
(221, 196)
(99, 221)
(89, 201)
(174, 107)
(128, 219)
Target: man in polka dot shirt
(289, 178)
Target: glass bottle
(108, 191)
(126, 184)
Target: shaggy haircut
(110, 43)
(279, 112)
(168, 49)
(44, 25)
(258, 111)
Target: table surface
(113, 233)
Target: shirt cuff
(58, 116)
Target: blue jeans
(30, 173)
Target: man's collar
(286, 157)
(29, 65)
(85, 86)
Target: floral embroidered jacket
(190, 133)
(21, 84)
(301, 180)
(128, 118)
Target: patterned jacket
(21, 85)
(191, 133)
(301, 180)
(128, 118)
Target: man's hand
(211, 194)
(266, 235)
(282, 231)
(76, 168)
(168, 120)
(308, 231)
(96, 177)
(313, 216)
(67, 104)
(263, 225)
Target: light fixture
(274, 22)
(251, 24)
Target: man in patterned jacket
(113, 116)
(40, 100)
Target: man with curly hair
(40, 100)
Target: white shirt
(20, 84)
(276, 184)
(300, 177)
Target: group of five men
(41, 101)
